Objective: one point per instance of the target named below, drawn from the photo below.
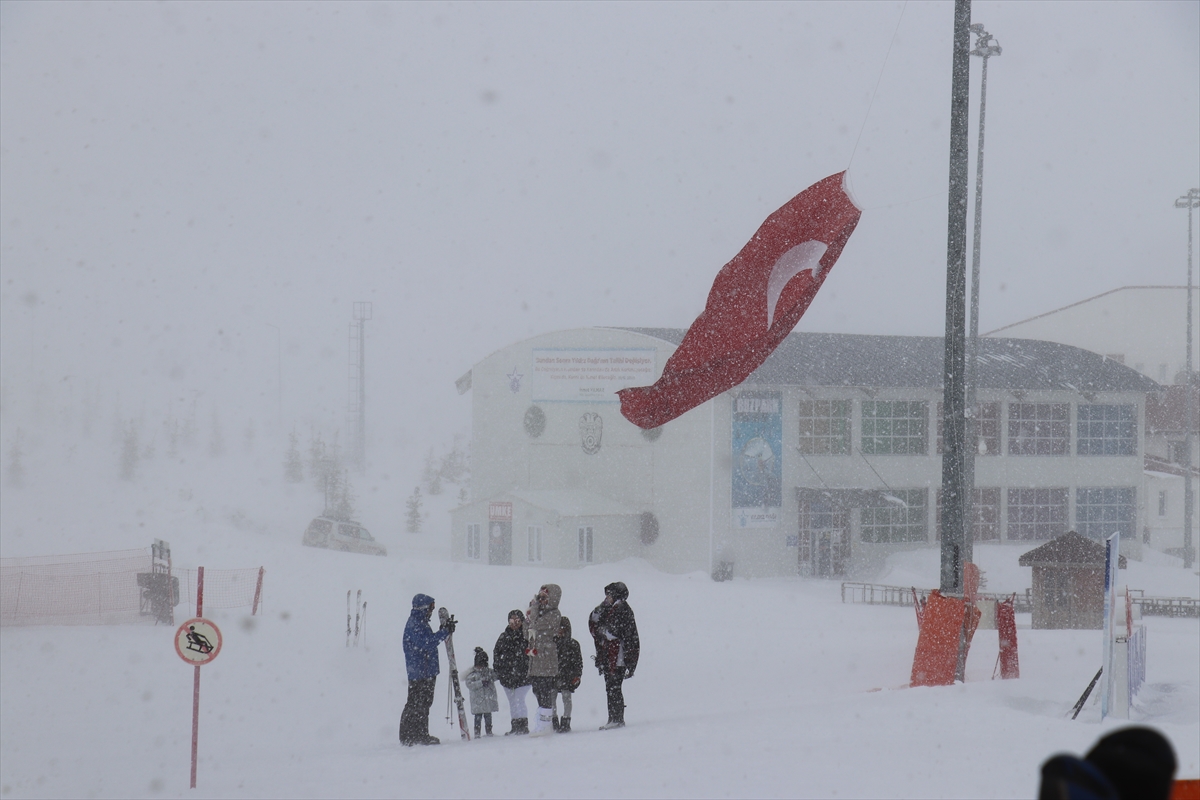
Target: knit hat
(618, 590)
(1139, 762)
(481, 657)
(516, 612)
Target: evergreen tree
(16, 467)
(343, 507)
(216, 442)
(413, 504)
(129, 452)
(430, 475)
(293, 465)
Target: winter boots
(613, 723)
(564, 725)
(616, 718)
(544, 725)
(520, 727)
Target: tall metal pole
(985, 48)
(956, 546)
(1189, 201)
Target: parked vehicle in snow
(340, 534)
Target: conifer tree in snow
(413, 504)
(129, 452)
(216, 442)
(293, 465)
(430, 475)
(16, 467)
(343, 507)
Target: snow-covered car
(340, 534)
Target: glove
(449, 625)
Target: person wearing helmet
(614, 631)
(421, 660)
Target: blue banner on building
(757, 459)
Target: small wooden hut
(1068, 582)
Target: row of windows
(900, 427)
(1033, 514)
(533, 542)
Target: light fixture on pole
(985, 48)
(1189, 201)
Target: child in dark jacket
(481, 685)
(570, 672)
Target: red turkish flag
(756, 300)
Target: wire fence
(113, 588)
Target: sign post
(197, 641)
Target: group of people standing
(535, 650)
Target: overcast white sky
(176, 178)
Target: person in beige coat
(541, 626)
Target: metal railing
(879, 594)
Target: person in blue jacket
(421, 659)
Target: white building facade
(822, 463)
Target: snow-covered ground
(748, 688)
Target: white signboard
(198, 641)
(562, 375)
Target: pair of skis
(455, 689)
(359, 615)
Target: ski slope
(762, 688)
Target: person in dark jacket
(511, 663)
(615, 634)
(570, 672)
(421, 660)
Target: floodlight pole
(985, 48)
(1189, 201)
(956, 544)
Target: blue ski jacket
(421, 642)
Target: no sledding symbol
(198, 641)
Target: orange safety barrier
(936, 659)
(1188, 789)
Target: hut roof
(1070, 549)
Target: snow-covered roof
(844, 359)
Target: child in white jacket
(481, 685)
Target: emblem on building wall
(591, 428)
(514, 381)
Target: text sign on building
(586, 375)
(757, 439)
(499, 512)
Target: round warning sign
(198, 641)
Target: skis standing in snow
(511, 663)
(614, 631)
(541, 626)
(455, 689)
(421, 661)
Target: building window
(1038, 429)
(1162, 504)
(898, 516)
(535, 543)
(987, 418)
(986, 523)
(1037, 513)
(1099, 513)
(585, 545)
(1106, 430)
(473, 541)
(895, 427)
(825, 427)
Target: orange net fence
(119, 587)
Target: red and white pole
(196, 681)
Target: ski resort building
(825, 461)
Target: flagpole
(956, 544)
